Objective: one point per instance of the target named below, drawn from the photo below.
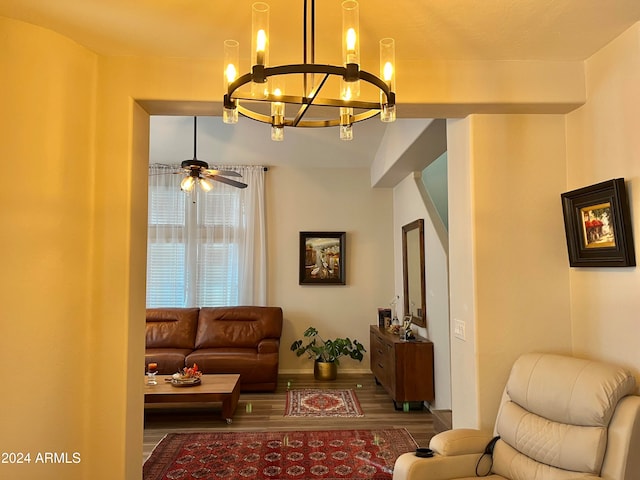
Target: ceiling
(479, 30)
(249, 143)
(423, 29)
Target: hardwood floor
(267, 412)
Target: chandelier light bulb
(351, 42)
(261, 45)
(346, 123)
(346, 132)
(388, 113)
(277, 114)
(387, 72)
(260, 30)
(231, 73)
(231, 60)
(350, 32)
(277, 133)
(346, 91)
(230, 115)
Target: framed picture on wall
(598, 225)
(322, 258)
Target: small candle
(153, 367)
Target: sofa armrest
(460, 441)
(410, 467)
(269, 345)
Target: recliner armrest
(460, 441)
(457, 453)
(410, 467)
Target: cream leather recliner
(560, 418)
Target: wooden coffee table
(223, 388)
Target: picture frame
(598, 225)
(384, 318)
(322, 258)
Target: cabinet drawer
(382, 356)
(404, 369)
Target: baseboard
(442, 420)
(307, 371)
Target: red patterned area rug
(322, 403)
(328, 455)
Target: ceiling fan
(198, 172)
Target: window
(198, 242)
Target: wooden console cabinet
(403, 368)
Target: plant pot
(325, 370)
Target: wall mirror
(413, 272)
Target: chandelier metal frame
(350, 73)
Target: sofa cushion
(169, 360)
(252, 367)
(171, 327)
(240, 327)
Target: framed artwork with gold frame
(598, 225)
(322, 258)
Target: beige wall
(509, 278)
(340, 199)
(47, 116)
(603, 143)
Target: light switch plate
(459, 327)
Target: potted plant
(326, 353)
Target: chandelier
(264, 95)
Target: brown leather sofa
(242, 340)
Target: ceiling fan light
(205, 184)
(187, 184)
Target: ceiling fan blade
(228, 181)
(226, 173)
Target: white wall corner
(408, 145)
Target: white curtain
(206, 249)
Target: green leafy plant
(327, 350)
